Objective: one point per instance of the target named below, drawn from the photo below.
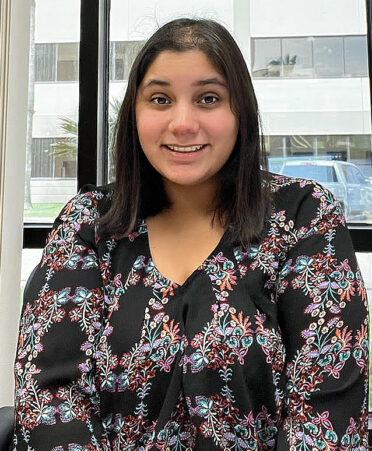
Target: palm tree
(66, 145)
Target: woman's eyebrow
(210, 81)
(204, 82)
(156, 82)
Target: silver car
(343, 179)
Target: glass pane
(322, 173)
(266, 58)
(328, 57)
(123, 55)
(333, 147)
(361, 154)
(297, 57)
(42, 158)
(68, 62)
(356, 56)
(45, 56)
(53, 109)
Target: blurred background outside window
(53, 109)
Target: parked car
(343, 179)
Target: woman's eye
(209, 100)
(160, 100)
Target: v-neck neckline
(195, 272)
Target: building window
(53, 158)
(68, 62)
(45, 57)
(356, 56)
(42, 160)
(122, 55)
(328, 57)
(57, 62)
(297, 57)
(266, 57)
(310, 57)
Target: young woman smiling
(199, 302)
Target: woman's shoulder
(90, 203)
(83, 210)
(300, 196)
(100, 197)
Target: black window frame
(93, 107)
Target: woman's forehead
(191, 65)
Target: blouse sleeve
(56, 401)
(323, 314)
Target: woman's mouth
(186, 149)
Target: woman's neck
(190, 204)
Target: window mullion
(88, 93)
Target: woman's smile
(189, 148)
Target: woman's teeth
(185, 149)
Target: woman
(199, 303)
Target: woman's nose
(183, 120)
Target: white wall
(11, 216)
(314, 106)
(307, 18)
(57, 21)
(138, 19)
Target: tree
(67, 144)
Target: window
(266, 57)
(122, 55)
(356, 56)
(57, 62)
(353, 175)
(328, 58)
(309, 57)
(297, 57)
(45, 57)
(322, 174)
(67, 62)
(42, 159)
(53, 158)
(51, 149)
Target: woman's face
(184, 120)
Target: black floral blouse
(262, 348)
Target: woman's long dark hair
(138, 191)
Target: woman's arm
(323, 315)
(56, 400)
